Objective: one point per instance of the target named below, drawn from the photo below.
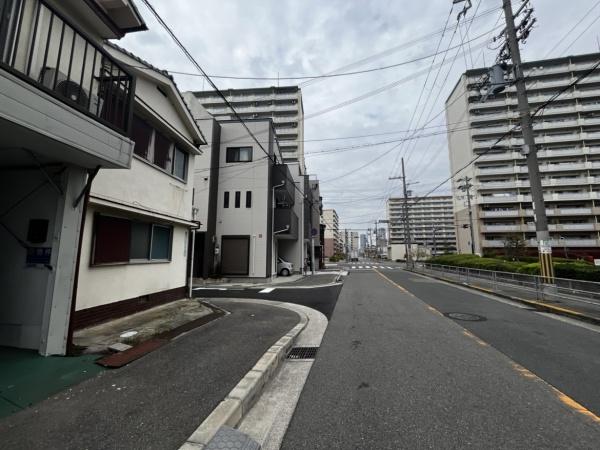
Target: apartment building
(137, 222)
(313, 208)
(334, 242)
(567, 135)
(431, 222)
(66, 108)
(283, 105)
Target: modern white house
(255, 201)
(134, 248)
(66, 107)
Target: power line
(562, 39)
(214, 86)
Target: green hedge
(563, 268)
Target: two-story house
(66, 112)
(134, 249)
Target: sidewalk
(157, 401)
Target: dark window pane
(37, 233)
(248, 199)
(162, 151)
(238, 154)
(111, 240)
(180, 164)
(140, 240)
(161, 242)
(238, 194)
(141, 133)
(226, 200)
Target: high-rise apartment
(431, 222)
(567, 136)
(334, 242)
(281, 104)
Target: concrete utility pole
(433, 250)
(376, 241)
(407, 243)
(406, 222)
(467, 188)
(529, 149)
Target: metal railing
(535, 287)
(42, 47)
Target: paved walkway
(157, 401)
(392, 373)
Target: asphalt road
(565, 355)
(323, 299)
(393, 373)
(157, 401)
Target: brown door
(235, 255)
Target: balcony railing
(40, 46)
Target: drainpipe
(273, 205)
(192, 253)
(86, 200)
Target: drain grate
(465, 316)
(303, 353)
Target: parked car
(284, 268)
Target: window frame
(226, 198)
(233, 154)
(248, 199)
(237, 199)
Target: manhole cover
(303, 353)
(465, 316)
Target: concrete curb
(541, 306)
(243, 396)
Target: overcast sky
(270, 38)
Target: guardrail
(586, 293)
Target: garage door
(235, 255)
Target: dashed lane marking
(266, 290)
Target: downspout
(86, 199)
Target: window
(238, 154)
(140, 241)
(226, 200)
(161, 242)
(162, 151)
(248, 199)
(111, 240)
(179, 163)
(156, 148)
(141, 134)
(238, 195)
(120, 241)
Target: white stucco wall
(99, 285)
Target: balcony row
(547, 153)
(545, 125)
(530, 227)
(539, 139)
(535, 97)
(553, 242)
(577, 181)
(513, 114)
(543, 168)
(549, 212)
(547, 197)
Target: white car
(284, 268)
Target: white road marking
(354, 267)
(388, 267)
(360, 267)
(266, 290)
(577, 323)
(209, 288)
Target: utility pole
(407, 243)
(376, 241)
(433, 250)
(529, 149)
(467, 188)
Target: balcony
(283, 187)
(62, 95)
(509, 213)
(285, 223)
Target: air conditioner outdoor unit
(57, 81)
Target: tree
(514, 247)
